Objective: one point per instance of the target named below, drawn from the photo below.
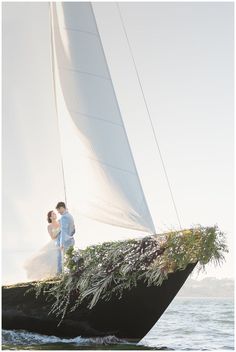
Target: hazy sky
(184, 55)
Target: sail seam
(106, 164)
(150, 119)
(84, 72)
(94, 117)
(79, 30)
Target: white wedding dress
(43, 264)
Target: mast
(55, 99)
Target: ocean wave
(23, 337)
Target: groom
(65, 238)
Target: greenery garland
(107, 269)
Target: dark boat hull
(130, 317)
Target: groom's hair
(60, 204)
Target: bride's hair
(49, 216)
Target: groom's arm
(64, 230)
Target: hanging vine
(107, 269)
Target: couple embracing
(48, 262)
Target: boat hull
(130, 317)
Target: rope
(149, 115)
(55, 99)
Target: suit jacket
(67, 229)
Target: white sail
(100, 174)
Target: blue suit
(65, 237)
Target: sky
(184, 56)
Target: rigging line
(54, 94)
(149, 115)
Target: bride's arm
(51, 233)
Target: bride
(43, 264)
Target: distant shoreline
(208, 287)
(203, 297)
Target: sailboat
(108, 188)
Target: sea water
(187, 324)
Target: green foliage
(100, 271)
